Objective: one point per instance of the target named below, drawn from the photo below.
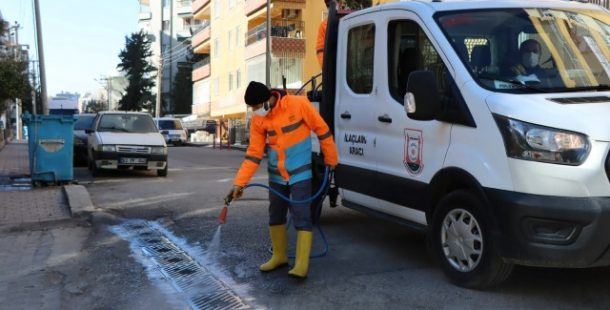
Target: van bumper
(551, 231)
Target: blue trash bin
(51, 146)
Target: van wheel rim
(462, 240)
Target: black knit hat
(256, 93)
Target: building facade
(234, 42)
(170, 25)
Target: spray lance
(222, 218)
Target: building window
(166, 3)
(238, 35)
(360, 58)
(230, 81)
(238, 79)
(215, 87)
(165, 25)
(216, 47)
(230, 41)
(216, 8)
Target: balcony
(253, 6)
(201, 9)
(144, 15)
(287, 39)
(184, 8)
(201, 69)
(201, 40)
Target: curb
(79, 201)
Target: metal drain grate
(202, 288)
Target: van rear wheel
(461, 240)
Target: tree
(182, 90)
(14, 81)
(358, 4)
(137, 68)
(94, 105)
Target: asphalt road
(370, 264)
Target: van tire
(162, 172)
(486, 268)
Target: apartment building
(234, 44)
(170, 25)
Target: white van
(172, 130)
(445, 123)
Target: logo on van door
(414, 143)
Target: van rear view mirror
(422, 86)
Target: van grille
(133, 149)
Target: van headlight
(107, 148)
(158, 150)
(538, 143)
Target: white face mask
(530, 59)
(264, 110)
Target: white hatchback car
(119, 140)
(172, 130)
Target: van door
(355, 107)
(409, 152)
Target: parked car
(120, 140)
(83, 123)
(172, 130)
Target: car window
(177, 124)
(360, 58)
(131, 123)
(84, 122)
(166, 124)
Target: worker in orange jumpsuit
(322, 33)
(286, 122)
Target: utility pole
(268, 58)
(105, 83)
(33, 90)
(159, 86)
(43, 76)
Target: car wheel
(461, 240)
(162, 172)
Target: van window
(360, 58)
(409, 49)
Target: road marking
(145, 201)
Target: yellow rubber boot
(279, 242)
(301, 265)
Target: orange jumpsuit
(288, 128)
(320, 42)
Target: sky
(82, 38)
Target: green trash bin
(51, 147)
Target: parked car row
(122, 140)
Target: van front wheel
(462, 242)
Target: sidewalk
(21, 205)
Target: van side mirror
(422, 102)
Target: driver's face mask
(264, 110)
(530, 59)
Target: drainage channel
(12, 184)
(202, 289)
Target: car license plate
(127, 160)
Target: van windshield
(532, 50)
